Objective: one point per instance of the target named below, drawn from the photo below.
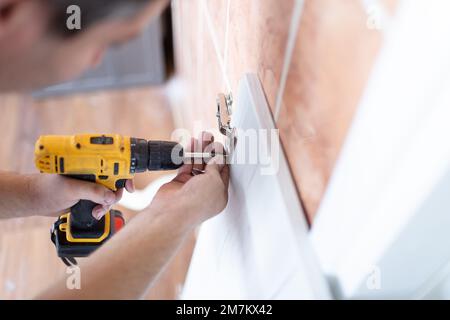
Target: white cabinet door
(258, 248)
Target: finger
(198, 163)
(184, 174)
(187, 167)
(212, 167)
(215, 147)
(225, 175)
(218, 150)
(129, 186)
(91, 191)
(99, 211)
(183, 178)
(222, 170)
(218, 161)
(192, 145)
(119, 194)
(205, 139)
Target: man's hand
(199, 190)
(51, 195)
(55, 194)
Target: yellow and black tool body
(109, 160)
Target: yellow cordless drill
(109, 160)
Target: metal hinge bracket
(224, 112)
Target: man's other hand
(199, 191)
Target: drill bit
(189, 156)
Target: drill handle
(81, 214)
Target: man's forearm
(125, 266)
(15, 195)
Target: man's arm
(130, 262)
(50, 195)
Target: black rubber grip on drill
(82, 222)
(164, 155)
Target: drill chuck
(164, 155)
(155, 155)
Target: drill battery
(71, 243)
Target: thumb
(215, 165)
